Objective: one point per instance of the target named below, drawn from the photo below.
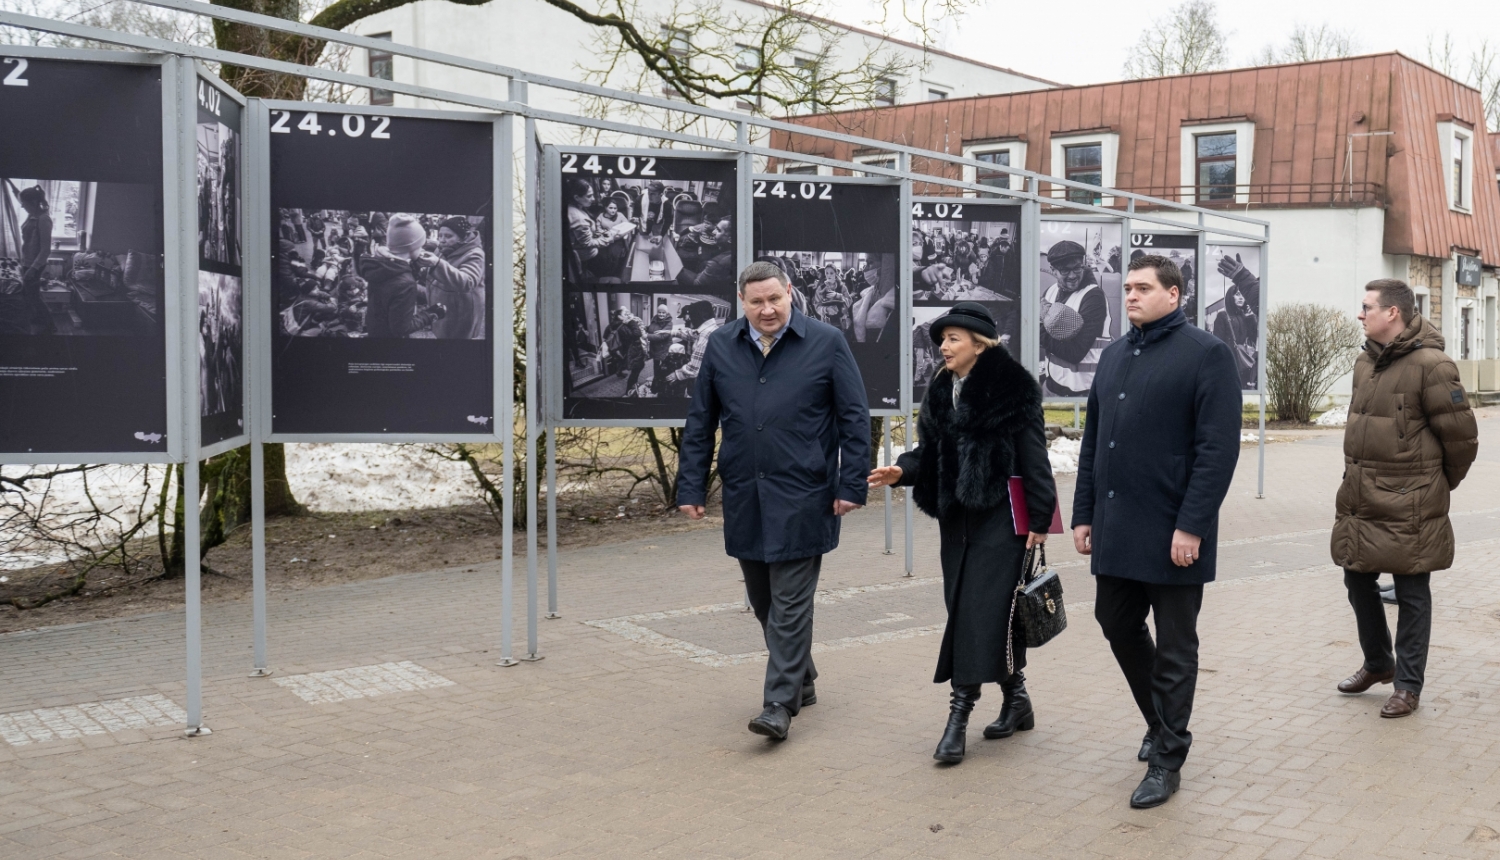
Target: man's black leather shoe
(1157, 788)
(1148, 745)
(773, 722)
(809, 694)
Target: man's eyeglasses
(1370, 308)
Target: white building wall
(537, 38)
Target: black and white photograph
(83, 331)
(641, 219)
(636, 346)
(381, 309)
(380, 274)
(855, 293)
(1232, 308)
(969, 252)
(1081, 309)
(926, 360)
(78, 258)
(220, 351)
(218, 178)
(838, 243)
(1181, 249)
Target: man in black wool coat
(1159, 450)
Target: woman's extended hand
(885, 476)
(1035, 539)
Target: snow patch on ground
(1335, 417)
(1063, 454)
(347, 478)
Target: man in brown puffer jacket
(1410, 440)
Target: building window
(1457, 143)
(747, 59)
(1421, 303)
(382, 66)
(1011, 153)
(997, 178)
(800, 169)
(935, 95)
(885, 93)
(678, 44)
(807, 70)
(1084, 162)
(882, 160)
(1217, 154)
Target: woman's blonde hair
(982, 340)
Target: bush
(1308, 347)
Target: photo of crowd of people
(1232, 306)
(1080, 302)
(1182, 250)
(381, 275)
(853, 292)
(926, 361)
(970, 261)
(79, 258)
(220, 344)
(637, 345)
(218, 192)
(635, 230)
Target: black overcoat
(1159, 450)
(959, 474)
(796, 434)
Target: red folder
(1019, 513)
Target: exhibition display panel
(85, 270)
(218, 142)
(381, 300)
(838, 239)
(1234, 307)
(641, 260)
(1183, 249)
(1081, 308)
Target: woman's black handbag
(1037, 607)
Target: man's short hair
(761, 270)
(1167, 273)
(1394, 293)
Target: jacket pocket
(1398, 500)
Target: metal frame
(265, 405)
(538, 197)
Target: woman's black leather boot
(1015, 711)
(950, 750)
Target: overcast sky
(1085, 41)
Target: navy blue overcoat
(1159, 450)
(796, 436)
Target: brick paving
(634, 745)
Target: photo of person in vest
(1076, 317)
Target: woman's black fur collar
(997, 396)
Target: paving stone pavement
(635, 745)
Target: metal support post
(258, 555)
(1075, 416)
(552, 524)
(533, 400)
(505, 373)
(193, 595)
(1260, 478)
(885, 433)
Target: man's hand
(884, 476)
(694, 512)
(1035, 539)
(1083, 539)
(841, 507)
(1184, 548)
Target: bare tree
(1186, 40)
(1480, 70)
(1308, 347)
(1307, 43)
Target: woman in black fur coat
(981, 423)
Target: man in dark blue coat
(1159, 450)
(788, 396)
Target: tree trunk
(262, 43)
